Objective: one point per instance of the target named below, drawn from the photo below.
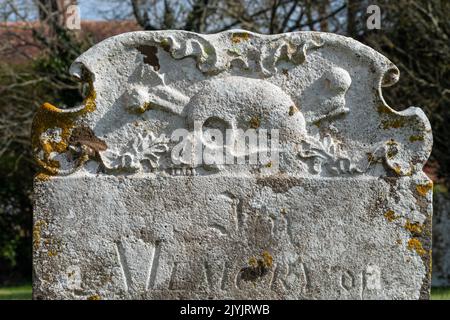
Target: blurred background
(40, 39)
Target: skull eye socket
(217, 124)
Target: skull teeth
(183, 172)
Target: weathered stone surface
(330, 203)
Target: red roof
(19, 44)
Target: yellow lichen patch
(292, 110)
(94, 297)
(423, 189)
(258, 267)
(51, 129)
(145, 107)
(416, 245)
(37, 230)
(430, 263)
(268, 164)
(383, 109)
(397, 123)
(47, 118)
(267, 259)
(165, 44)
(254, 123)
(397, 169)
(42, 177)
(390, 215)
(317, 123)
(416, 138)
(49, 107)
(89, 101)
(52, 253)
(253, 262)
(240, 36)
(50, 117)
(413, 227)
(392, 149)
(209, 50)
(390, 153)
(52, 246)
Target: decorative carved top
(175, 102)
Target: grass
(440, 293)
(24, 293)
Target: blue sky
(102, 9)
(89, 10)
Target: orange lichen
(416, 245)
(413, 227)
(165, 44)
(43, 176)
(317, 123)
(397, 169)
(392, 149)
(416, 138)
(49, 107)
(49, 118)
(37, 230)
(145, 107)
(267, 259)
(390, 215)
(255, 123)
(240, 36)
(253, 262)
(89, 101)
(258, 267)
(384, 109)
(423, 189)
(52, 253)
(397, 123)
(292, 110)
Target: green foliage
(15, 218)
(43, 79)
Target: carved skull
(242, 103)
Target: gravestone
(232, 166)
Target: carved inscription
(138, 262)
